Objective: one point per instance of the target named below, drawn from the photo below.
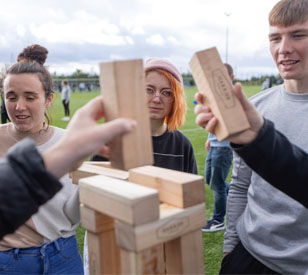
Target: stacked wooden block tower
(140, 219)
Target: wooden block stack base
(182, 252)
(148, 261)
(131, 232)
(103, 252)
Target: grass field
(212, 242)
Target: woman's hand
(84, 137)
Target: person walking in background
(47, 240)
(217, 167)
(65, 96)
(82, 87)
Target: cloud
(82, 33)
(20, 30)
(155, 39)
(82, 28)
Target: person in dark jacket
(265, 150)
(28, 179)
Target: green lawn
(212, 242)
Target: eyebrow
(26, 92)
(292, 32)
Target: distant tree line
(76, 75)
(80, 76)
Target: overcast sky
(82, 33)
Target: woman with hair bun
(46, 243)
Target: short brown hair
(288, 12)
(229, 69)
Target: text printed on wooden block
(214, 83)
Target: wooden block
(103, 252)
(214, 82)
(106, 164)
(94, 221)
(173, 223)
(126, 201)
(88, 170)
(149, 261)
(176, 188)
(123, 88)
(184, 255)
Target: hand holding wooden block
(213, 81)
(123, 88)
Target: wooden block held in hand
(175, 188)
(123, 88)
(213, 81)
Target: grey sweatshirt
(271, 226)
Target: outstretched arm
(264, 149)
(278, 161)
(28, 180)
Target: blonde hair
(176, 118)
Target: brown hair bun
(34, 52)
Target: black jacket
(278, 161)
(24, 185)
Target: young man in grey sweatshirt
(266, 229)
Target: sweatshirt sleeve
(236, 200)
(279, 162)
(25, 184)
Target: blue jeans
(218, 164)
(58, 257)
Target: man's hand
(207, 120)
